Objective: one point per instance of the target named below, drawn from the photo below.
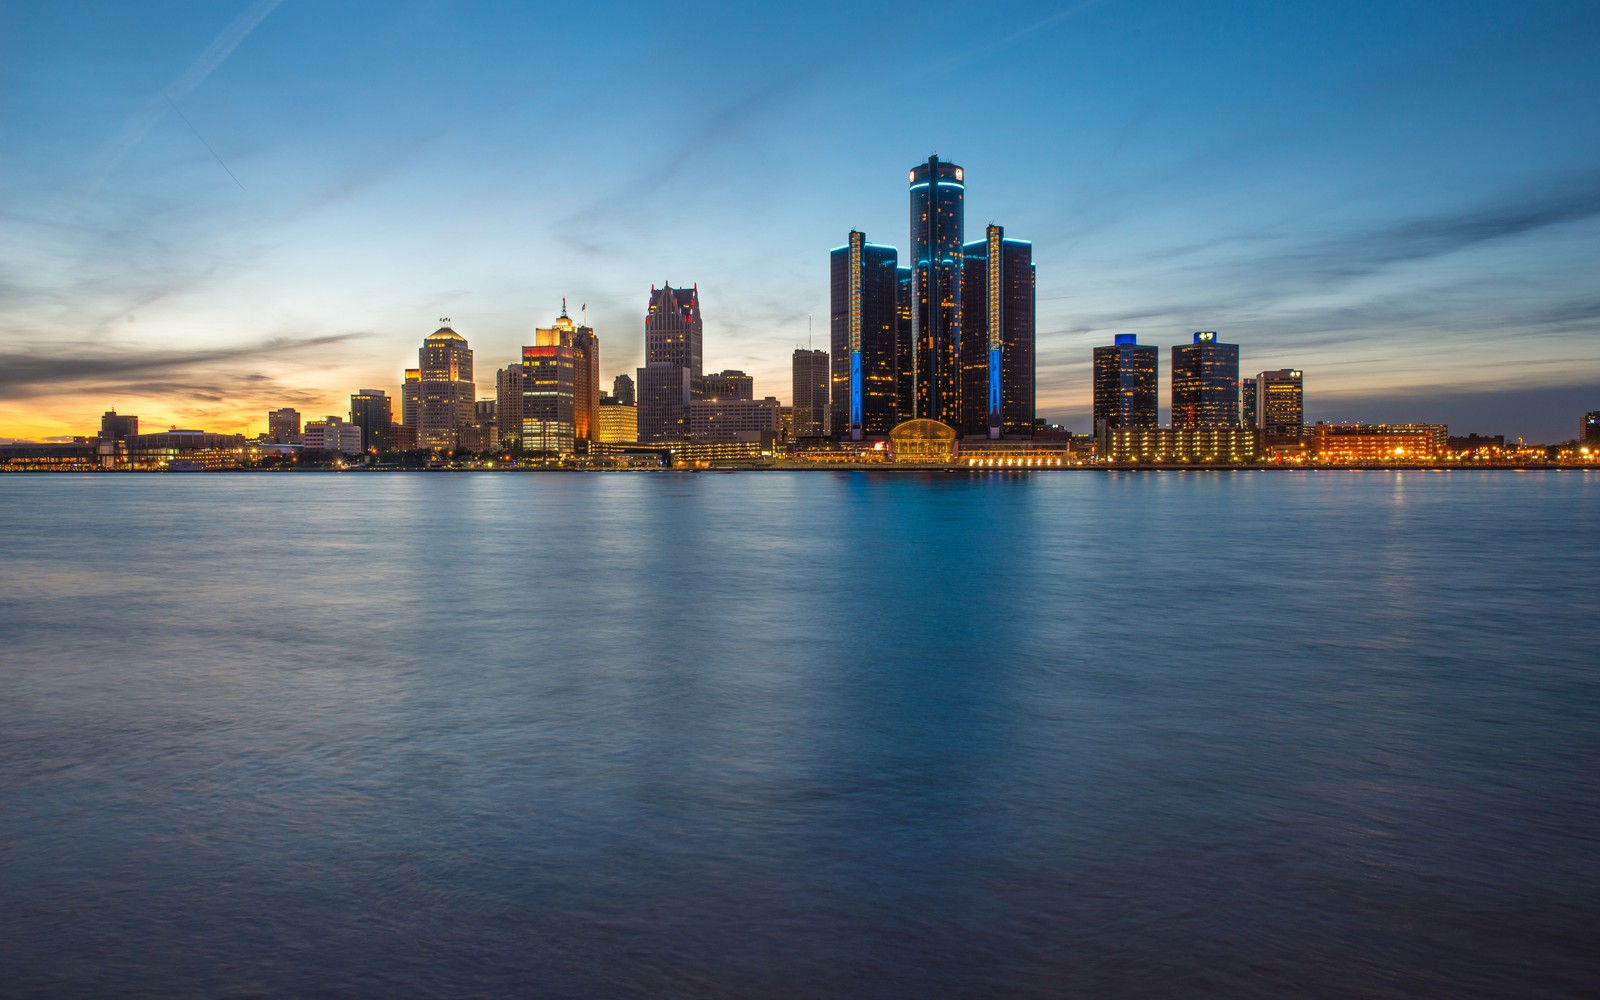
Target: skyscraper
(1591, 428)
(810, 393)
(586, 368)
(1205, 383)
(673, 329)
(1280, 403)
(997, 393)
(370, 411)
(938, 192)
(446, 391)
(549, 396)
(1247, 402)
(862, 327)
(672, 357)
(1125, 377)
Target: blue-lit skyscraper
(997, 395)
(938, 193)
(863, 328)
(1125, 394)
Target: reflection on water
(799, 734)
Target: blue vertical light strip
(856, 241)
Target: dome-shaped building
(924, 441)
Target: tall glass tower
(1124, 384)
(1205, 383)
(938, 193)
(862, 326)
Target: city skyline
(1402, 205)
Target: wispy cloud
(140, 123)
(56, 368)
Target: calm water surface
(800, 734)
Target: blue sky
(214, 209)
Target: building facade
(673, 335)
(332, 435)
(283, 426)
(665, 391)
(1205, 383)
(997, 366)
(411, 397)
(729, 384)
(810, 385)
(1361, 443)
(508, 385)
(617, 422)
(1181, 445)
(446, 392)
(1589, 432)
(1125, 384)
(735, 419)
(586, 368)
(862, 331)
(370, 411)
(549, 399)
(1280, 404)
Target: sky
(209, 210)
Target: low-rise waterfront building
(1360, 443)
(1190, 445)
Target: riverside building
(1125, 393)
(1205, 383)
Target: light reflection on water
(799, 734)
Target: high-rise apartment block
(1125, 384)
(283, 426)
(445, 389)
(370, 411)
(810, 393)
(1205, 383)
